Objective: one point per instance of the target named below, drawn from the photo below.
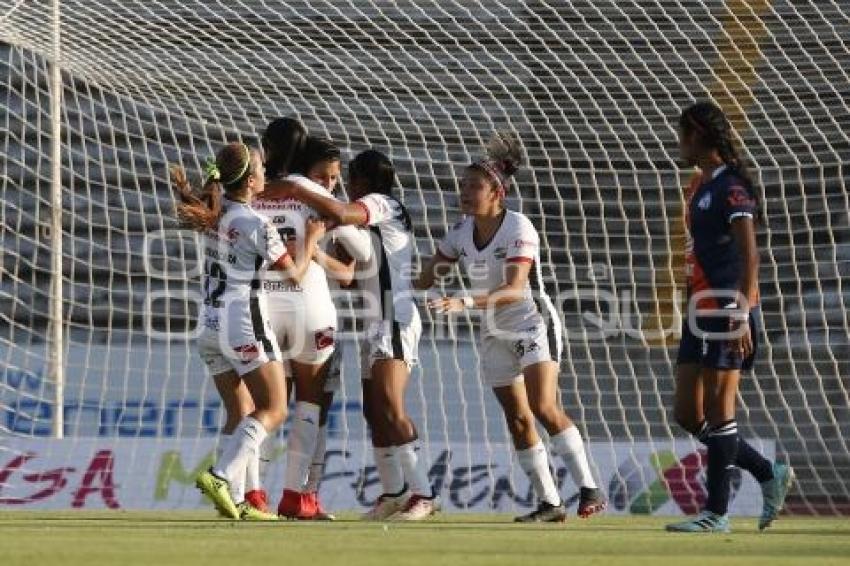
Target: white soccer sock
(252, 474)
(535, 463)
(256, 470)
(389, 469)
(268, 450)
(244, 445)
(317, 467)
(301, 444)
(223, 440)
(413, 468)
(569, 445)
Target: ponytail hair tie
(211, 171)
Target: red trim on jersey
(519, 259)
(365, 209)
(279, 262)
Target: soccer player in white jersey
(520, 334)
(236, 342)
(304, 319)
(290, 137)
(350, 245)
(390, 346)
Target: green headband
(213, 172)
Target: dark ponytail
(714, 131)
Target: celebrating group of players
(277, 240)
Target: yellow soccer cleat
(248, 512)
(218, 490)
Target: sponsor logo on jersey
(705, 202)
(247, 353)
(500, 253)
(524, 243)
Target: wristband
(468, 302)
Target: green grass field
(153, 539)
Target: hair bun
(504, 148)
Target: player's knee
(549, 414)
(519, 425)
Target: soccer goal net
(591, 87)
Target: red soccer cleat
(258, 499)
(296, 505)
(321, 514)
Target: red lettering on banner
(98, 479)
(57, 480)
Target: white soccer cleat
(418, 507)
(386, 507)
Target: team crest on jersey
(500, 253)
(705, 202)
(738, 196)
(247, 353)
(324, 338)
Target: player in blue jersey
(720, 333)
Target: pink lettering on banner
(97, 479)
(56, 480)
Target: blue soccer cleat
(774, 492)
(705, 522)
